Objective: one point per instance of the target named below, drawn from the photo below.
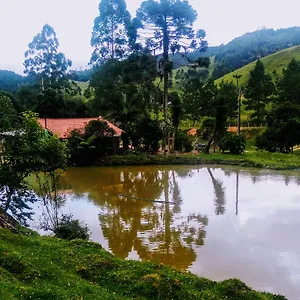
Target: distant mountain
(10, 81)
(274, 64)
(252, 46)
(245, 49)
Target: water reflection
(217, 222)
(130, 220)
(219, 194)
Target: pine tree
(289, 84)
(168, 28)
(258, 91)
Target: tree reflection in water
(157, 232)
(219, 191)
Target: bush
(183, 142)
(283, 132)
(233, 143)
(145, 135)
(70, 229)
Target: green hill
(34, 267)
(274, 64)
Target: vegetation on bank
(258, 159)
(35, 267)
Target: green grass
(34, 267)
(274, 62)
(251, 158)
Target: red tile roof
(63, 126)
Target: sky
(223, 20)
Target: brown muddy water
(220, 223)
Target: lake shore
(38, 267)
(257, 159)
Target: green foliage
(113, 32)
(258, 91)
(69, 229)
(252, 46)
(43, 61)
(192, 82)
(219, 103)
(176, 109)
(10, 81)
(274, 65)
(94, 142)
(183, 142)
(27, 97)
(146, 134)
(169, 25)
(283, 132)
(28, 149)
(171, 22)
(233, 143)
(49, 268)
(206, 128)
(50, 103)
(289, 84)
(125, 90)
(8, 114)
(50, 94)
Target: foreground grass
(34, 267)
(259, 159)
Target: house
(63, 126)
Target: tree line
(278, 103)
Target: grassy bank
(34, 267)
(266, 160)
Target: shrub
(235, 144)
(70, 229)
(145, 135)
(183, 142)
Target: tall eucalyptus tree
(113, 32)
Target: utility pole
(237, 77)
(239, 112)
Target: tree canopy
(168, 27)
(289, 84)
(113, 32)
(258, 90)
(125, 90)
(44, 62)
(26, 149)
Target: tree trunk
(165, 75)
(210, 141)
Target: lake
(217, 222)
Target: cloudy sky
(72, 20)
